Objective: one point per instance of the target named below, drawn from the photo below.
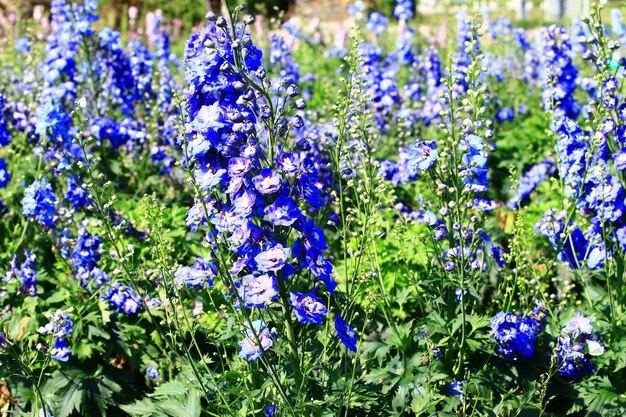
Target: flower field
(277, 219)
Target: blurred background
(184, 15)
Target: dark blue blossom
(515, 335)
(456, 388)
(346, 334)
(307, 307)
(5, 177)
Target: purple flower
(579, 325)
(198, 276)
(288, 163)
(272, 259)
(256, 341)
(238, 167)
(283, 212)
(257, 291)
(345, 333)
(619, 159)
(267, 182)
(307, 307)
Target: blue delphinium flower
(474, 169)
(22, 45)
(59, 326)
(272, 259)
(25, 273)
(271, 410)
(576, 347)
(263, 183)
(198, 276)
(283, 212)
(39, 202)
(307, 307)
(5, 177)
(404, 46)
(60, 351)
(515, 335)
(76, 194)
(257, 291)
(5, 135)
(152, 373)
(456, 388)
(377, 23)
(122, 298)
(85, 257)
(560, 74)
(256, 341)
(346, 333)
(532, 178)
(280, 59)
(574, 247)
(506, 114)
(412, 161)
(404, 9)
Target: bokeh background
(184, 15)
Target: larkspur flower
(152, 373)
(59, 327)
(25, 273)
(346, 333)
(39, 202)
(4, 174)
(256, 341)
(576, 347)
(516, 335)
(272, 259)
(257, 291)
(198, 276)
(307, 307)
(283, 212)
(456, 388)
